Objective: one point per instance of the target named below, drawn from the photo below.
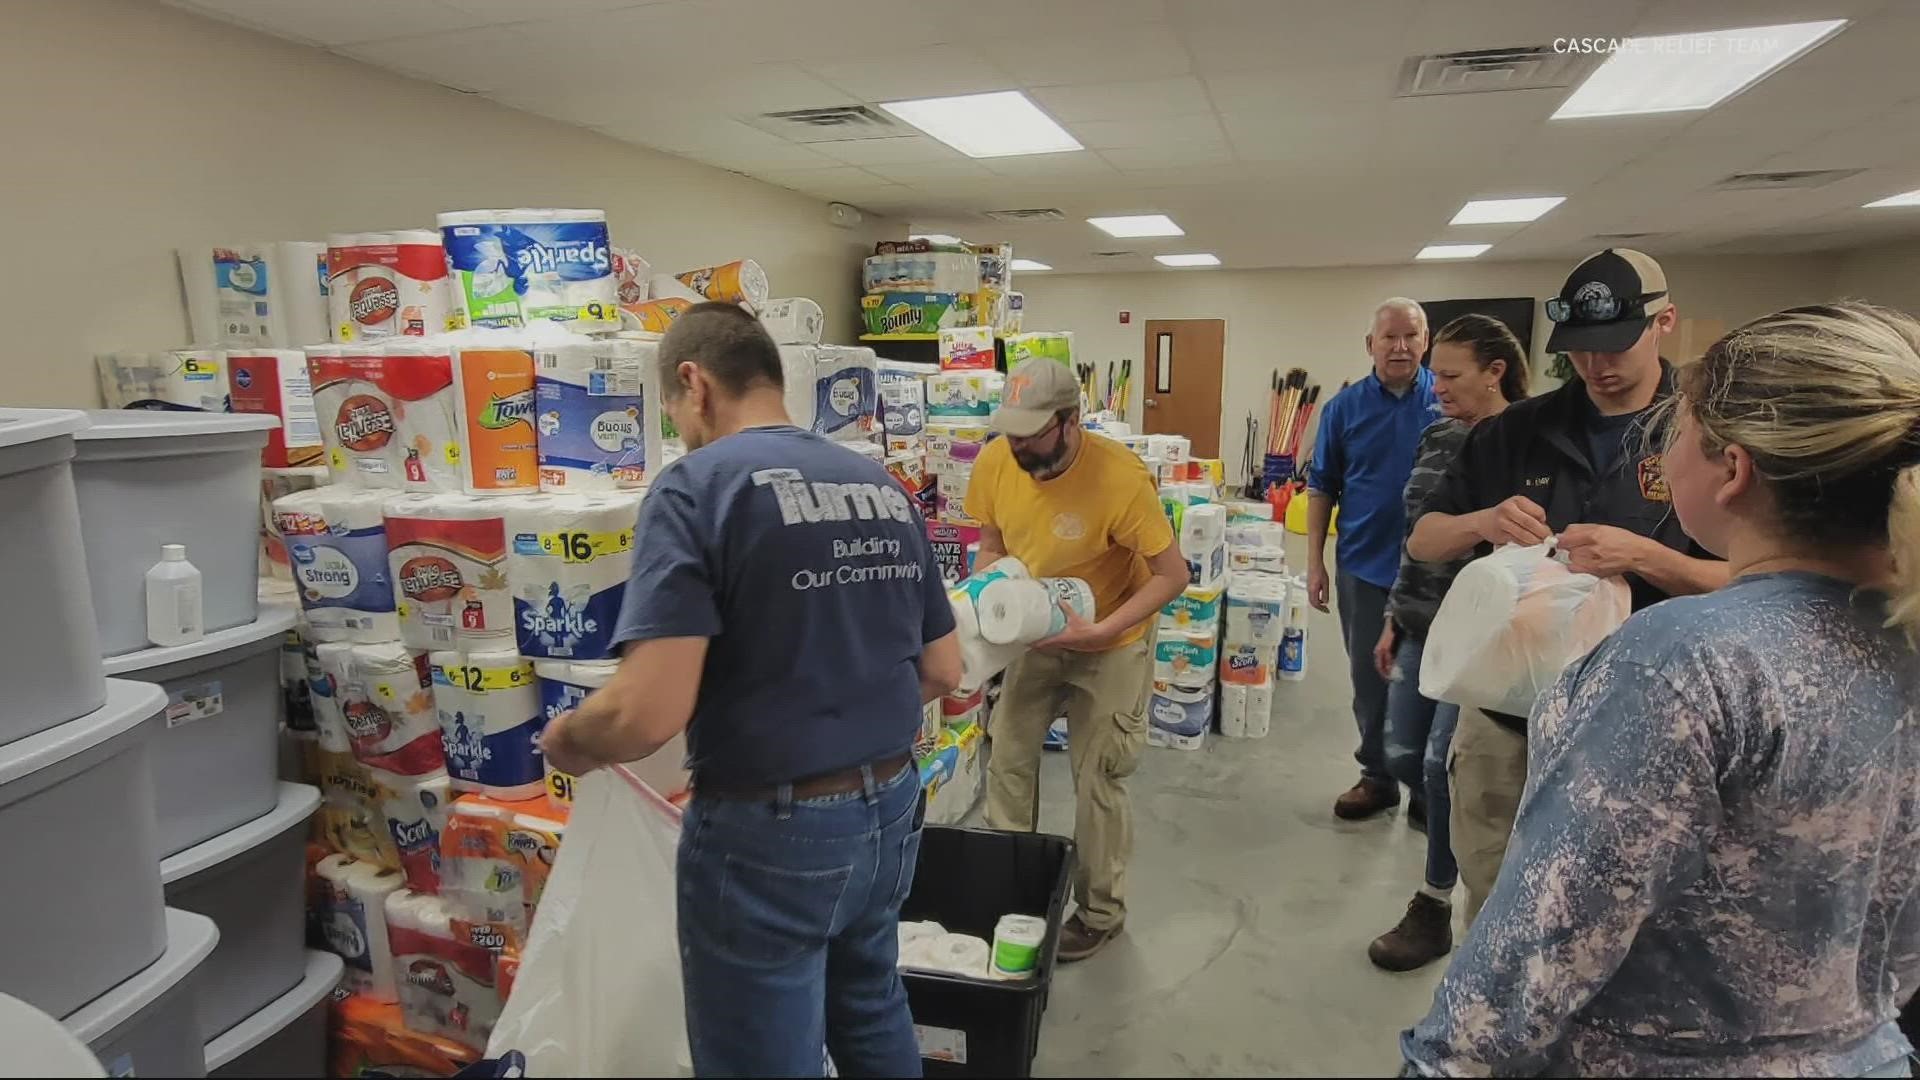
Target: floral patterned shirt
(1714, 867)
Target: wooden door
(1181, 391)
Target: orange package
(657, 315)
(495, 416)
(367, 1038)
(483, 881)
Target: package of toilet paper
(792, 320)
(966, 348)
(1194, 610)
(355, 413)
(337, 547)
(179, 380)
(950, 491)
(903, 402)
(961, 396)
(1187, 659)
(351, 817)
(846, 401)
(527, 265)
(1179, 714)
(494, 384)
(1052, 344)
(568, 557)
(275, 563)
(953, 546)
(1172, 449)
(896, 313)
(273, 382)
(1256, 609)
(738, 282)
(596, 414)
(632, 277)
(921, 271)
(415, 808)
(953, 448)
(980, 659)
(490, 721)
(445, 978)
(388, 707)
(1244, 709)
(1025, 610)
(355, 926)
(798, 365)
(446, 557)
(388, 285)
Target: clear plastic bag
(598, 992)
(1510, 623)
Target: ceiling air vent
(830, 123)
(1794, 178)
(1043, 213)
(1480, 71)
(1115, 254)
(1620, 237)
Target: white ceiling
(1269, 129)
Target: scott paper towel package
(903, 403)
(568, 557)
(388, 285)
(274, 382)
(738, 282)
(597, 414)
(388, 706)
(1186, 658)
(490, 721)
(1246, 710)
(963, 395)
(494, 384)
(1248, 663)
(1052, 344)
(921, 271)
(792, 320)
(337, 547)
(1194, 610)
(1179, 714)
(415, 809)
(447, 561)
(966, 348)
(1256, 609)
(527, 265)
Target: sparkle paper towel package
(738, 282)
(963, 395)
(568, 557)
(495, 388)
(597, 414)
(488, 706)
(563, 686)
(389, 710)
(447, 561)
(337, 546)
(792, 320)
(903, 403)
(527, 265)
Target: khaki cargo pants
(1105, 699)
(1486, 774)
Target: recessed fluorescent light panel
(1451, 251)
(1684, 72)
(1906, 198)
(1137, 225)
(1000, 124)
(934, 237)
(1196, 259)
(1030, 264)
(1505, 211)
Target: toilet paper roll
(953, 448)
(356, 925)
(1203, 527)
(355, 413)
(1016, 945)
(1188, 659)
(963, 395)
(956, 954)
(389, 710)
(488, 706)
(327, 678)
(792, 320)
(911, 932)
(738, 282)
(1233, 711)
(337, 547)
(273, 382)
(980, 660)
(495, 416)
(798, 366)
(846, 402)
(1015, 611)
(903, 398)
(1256, 610)
(951, 495)
(417, 380)
(596, 412)
(1179, 718)
(351, 819)
(298, 272)
(568, 557)
(415, 809)
(446, 557)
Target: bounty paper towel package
(792, 320)
(846, 404)
(903, 403)
(966, 348)
(1194, 610)
(960, 396)
(1052, 344)
(893, 313)
(355, 414)
(389, 710)
(490, 721)
(596, 415)
(568, 557)
(494, 384)
(738, 282)
(447, 561)
(1179, 714)
(1186, 658)
(273, 382)
(337, 546)
(528, 265)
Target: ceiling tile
(899, 150)
(489, 12)
(1257, 35)
(1157, 159)
(1146, 52)
(837, 182)
(1147, 132)
(935, 71)
(335, 22)
(1303, 86)
(932, 172)
(1124, 100)
(1079, 164)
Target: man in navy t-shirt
(786, 612)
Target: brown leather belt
(839, 782)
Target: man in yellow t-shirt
(1069, 503)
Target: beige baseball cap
(1038, 389)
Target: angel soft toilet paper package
(596, 414)
(337, 547)
(568, 557)
(488, 705)
(446, 557)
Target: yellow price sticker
(598, 312)
(484, 679)
(345, 332)
(580, 546)
(452, 451)
(337, 460)
(560, 786)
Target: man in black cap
(1578, 465)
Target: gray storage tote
(288, 1038)
(147, 1026)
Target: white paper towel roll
(798, 363)
(488, 706)
(596, 411)
(568, 557)
(792, 320)
(389, 710)
(337, 547)
(415, 808)
(356, 924)
(447, 560)
(1022, 611)
(1259, 699)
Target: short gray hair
(731, 346)
(1397, 303)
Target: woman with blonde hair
(1714, 868)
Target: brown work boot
(1079, 941)
(1366, 798)
(1425, 934)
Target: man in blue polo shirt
(786, 612)
(1361, 462)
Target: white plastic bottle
(174, 615)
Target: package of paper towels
(181, 380)
(388, 707)
(511, 267)
(488, 705)
(792, 320)
(1025, 610)
(1052, 344)
(337, 546)
(597, 414)
(568, 557)
(921, 271)
(447, 559)
(494, 386)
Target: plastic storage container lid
(275, 619)
(297, 803)
(129, 704)
(323, 972)
(190, 940)
(154, 423)
(19, 426)
(38, 1046)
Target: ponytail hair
(1490, 340)
(1903, 537)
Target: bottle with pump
(174, 615)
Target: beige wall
(1889, 276)
(1316, 319)
(128, 129)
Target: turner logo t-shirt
(808, 568)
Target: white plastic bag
(1510, 623)
(598, 993)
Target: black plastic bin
(967, 879)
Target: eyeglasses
(1596, 309)
(1059, 421)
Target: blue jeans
(789, 931)
(1419, 732)
(1363, 609)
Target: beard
(1041, 464)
